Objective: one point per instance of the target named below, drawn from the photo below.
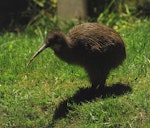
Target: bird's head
(55, 40)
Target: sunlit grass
(30, 95)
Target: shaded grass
(30, 96)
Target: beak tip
(27, 64)
(39, 51)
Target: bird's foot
(99, 87)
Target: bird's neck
(66, 51)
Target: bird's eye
(56, 38)
(50, 42)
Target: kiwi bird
(94, 46)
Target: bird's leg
(98, 78)
(102, 76)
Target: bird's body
(93, 46)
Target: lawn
(51, 93)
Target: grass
(31, 96)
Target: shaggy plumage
(93, 46)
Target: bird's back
(96, 35)
(96, 40)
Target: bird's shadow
(89, 94)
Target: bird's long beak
(37, 53)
